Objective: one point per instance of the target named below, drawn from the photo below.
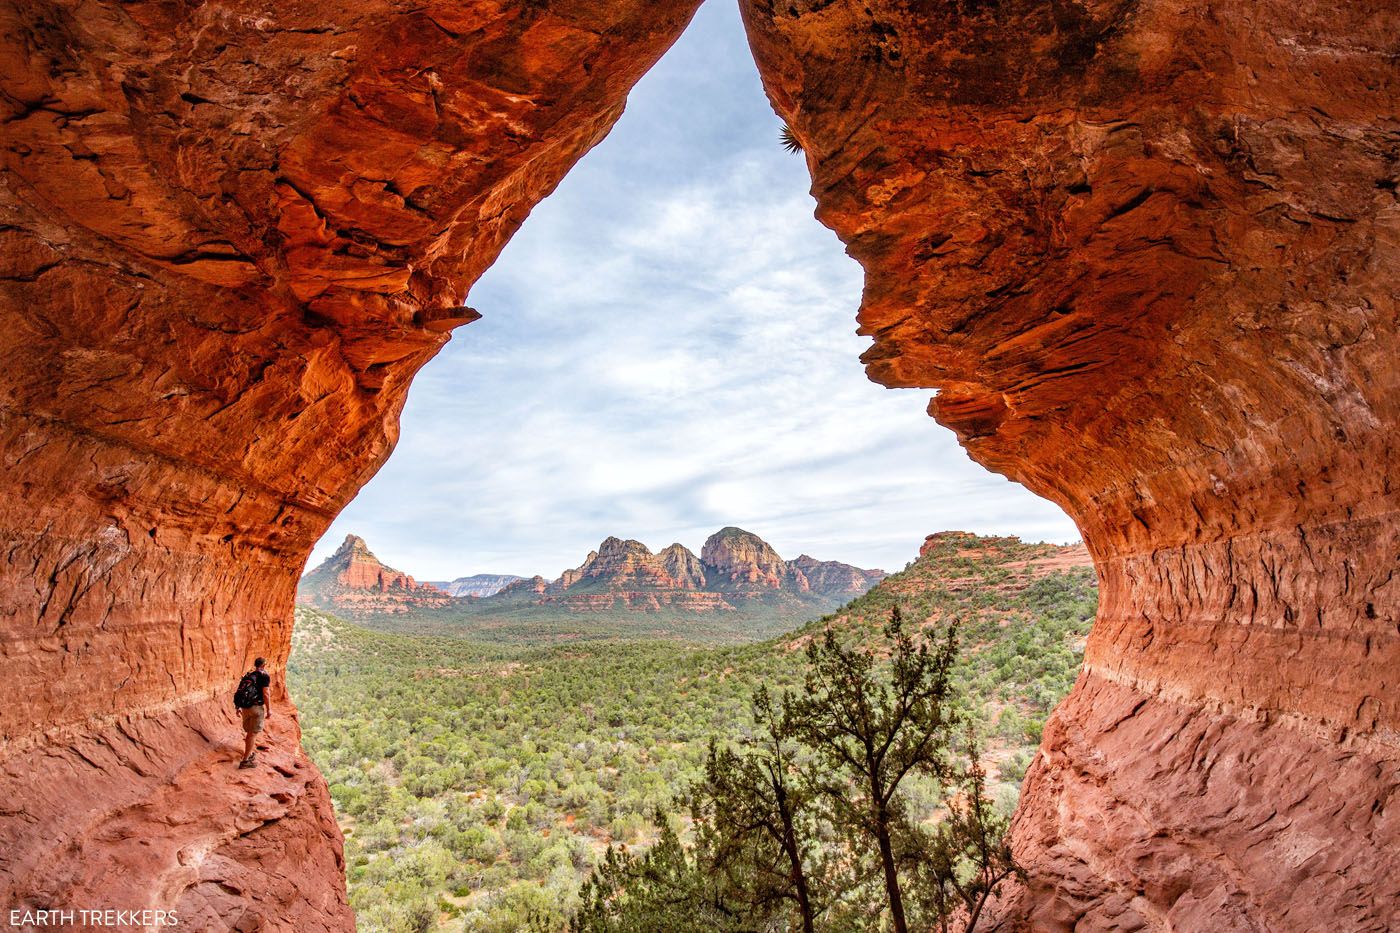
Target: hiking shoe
(248, 762)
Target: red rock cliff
(231, 233)
(353, 581)
(1147, 253)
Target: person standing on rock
(250, 699)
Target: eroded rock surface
(1148, 255)
(737, 571)
(231, 233)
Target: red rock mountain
(352, 581)
(833, 578)
(622, 574)
(735, 568)
(683, 567)
(744, 562)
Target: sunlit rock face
(1147, 252)
(683, 566)
(739, 571)
(742, 560)
(353, 581)
(231, 234)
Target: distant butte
(352, 581)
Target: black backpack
(249, 693)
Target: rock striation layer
(231, 232)
(1147, 254)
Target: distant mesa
(479, 585)
(736, 570)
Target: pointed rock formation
(625, 575)
(570, 577)
(354, 582)
(742, 561)
(684, 568)
(621, 565)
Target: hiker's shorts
(253, 718)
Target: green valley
(478, 782)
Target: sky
(667, 347)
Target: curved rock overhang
(1149, 254)
(232, 232)
(1146, 253)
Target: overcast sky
(667, 347)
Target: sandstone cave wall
(1149, 255)
(231, 233)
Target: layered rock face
(683, 567)
(1147, 253)
(231, 233)
(625, 574)
(353, 580)
(833, 578)
(742, 560)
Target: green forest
(480, 783)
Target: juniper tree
(755, 815)
(660, 891)
(967, 856)
(872, 725)
(805, 819)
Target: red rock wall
(231, 234)
(1148, 255)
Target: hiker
(250, 699)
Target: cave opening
(668, 347)
(1146, 252)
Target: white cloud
(668, 346)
